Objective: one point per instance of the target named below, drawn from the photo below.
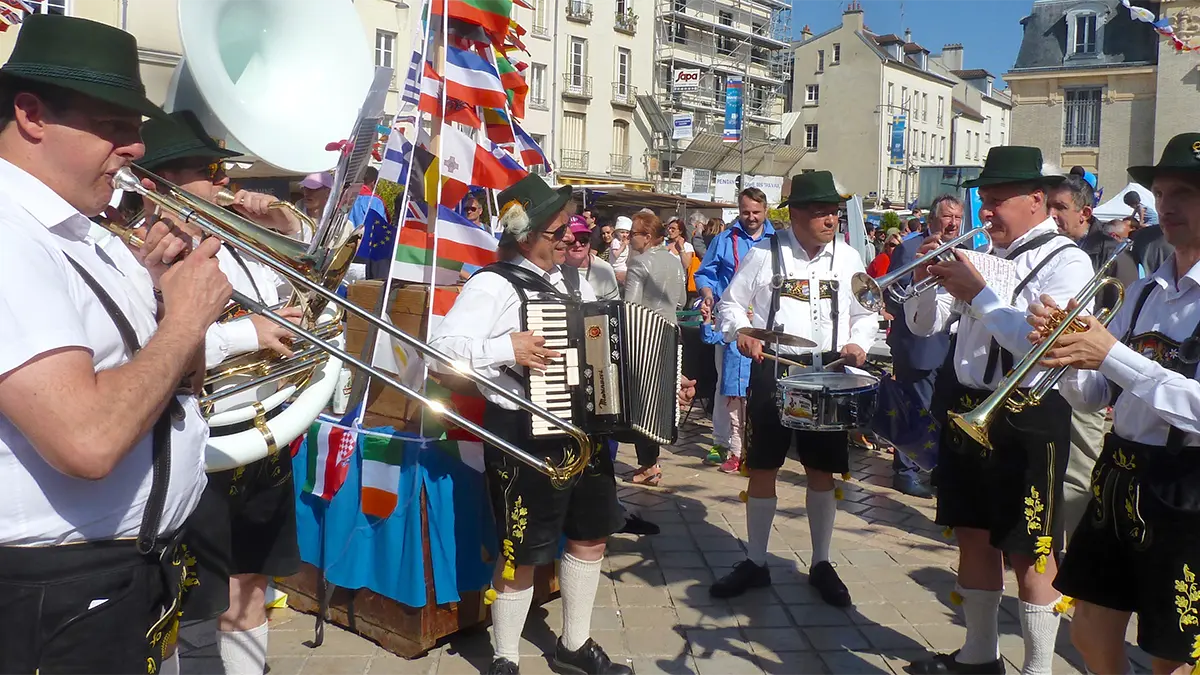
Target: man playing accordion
(1004, 500)
(1137, 549)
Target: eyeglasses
(473, 209)
(581, 241)
(213, 171)
(556, 235)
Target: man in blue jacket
(915, 360)
(721, 260)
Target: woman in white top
(677, 242)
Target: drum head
(832, 381)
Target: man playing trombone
(244, 529)
(1137, 549)
(1004, 499)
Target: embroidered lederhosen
(1138, 546)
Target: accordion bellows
(619, 374)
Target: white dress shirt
(125, 261)
(1152, 398)
(751, 288)
(992, 316)
(232, 338)
(45, 306)
(476, 329)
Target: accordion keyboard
(553, 388)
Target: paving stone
(775, 640)
(943, 637)
(707, 643)
(906, 592)
(648, 617)
(280, 665)
(796, 594)
(881, 615)
(819, 615)
(662, 544)
(870, 558)
(719, 543)
(762, 616)
(836, 638)
(335, 665)
(680, 665)
(725, 664)
(791, 663)
(888, 638)
(682, 559)
(855, 663)
(919, 613)
(714, 616)
(663, 641)
(642, 596)
(384, 663)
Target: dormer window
(1085, 30)
(921, 59)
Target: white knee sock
(508, 621)
(170, 666)
(1039, 626)
(981, 611)
(243, 652)
(822, 508)
(578, 580)
(760, 512)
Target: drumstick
(786, 362)
(835, 364)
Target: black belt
(244, 425)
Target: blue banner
(980, 242)
(733, 109)
(896, 148)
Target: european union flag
(901, 420)
(379, 235)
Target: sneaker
(716, 455)
(589, 659)
(745, 576)
(503, 667)
(732, 464)
(942, 664)
(825, 579)
(908, 484)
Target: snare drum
(827, 401)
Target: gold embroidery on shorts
(1125, 461)
(1187, 594)
(1033, 511)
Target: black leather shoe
(825, 579)
(503, 667)
(908, 484)
(589, 659)
(745, 575)
(944, 664)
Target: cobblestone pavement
(654, 611)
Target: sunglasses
(581, 241)
(213, 171)
(556, 235)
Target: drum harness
(778, 277)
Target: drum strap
(1002, 357)
(161, 440)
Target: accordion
(619, 372)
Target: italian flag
(451, 439)
(330, 449)
(382, 458)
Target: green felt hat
(178, 136)
(83, 56)
(815, 187)
(1012, 164)
(540, 201)
(1181, 155)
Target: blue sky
(989, 30)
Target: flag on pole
(395, 158)
(491, 15)
(411, 92)
(471, 79)
(516, 89)
(451, 439)
(528, 149)
(330, 449)
(461, 241)
(467, 163)
(461, 247)
(498, 128)
(382, 460)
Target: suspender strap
(571, 281)
(1137, 311)
(1001, 359)
(523, 280)
(237, 257)
(776, 281)
(1175, 434)
(161, 436)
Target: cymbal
(776, 337)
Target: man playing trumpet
(1137, 548)
(1004, 499)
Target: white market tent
(1116, 208)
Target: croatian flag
(472, 79)
(531, 154)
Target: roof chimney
(852, 18)
(907, 35)
(952, 56)
(805, 32)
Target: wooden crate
(409, 632)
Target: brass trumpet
(869, 291)
(305, 271)
(976, 422)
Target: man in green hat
(101, 448)
(798, 282)
(244, 530)
(1136, 551)
(1003, 500)
(485, 329)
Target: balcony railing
(538, 101)
(574, 160)
(626, 22)
(620, 165)
(579, 11)
(541, 31)
(577, 86)
(624, 94)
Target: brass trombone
(299, 268)
(976, 422)
(869, 291)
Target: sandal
(650, 475)
(860, 440)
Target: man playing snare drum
(812, 299)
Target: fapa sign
(686, 79)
